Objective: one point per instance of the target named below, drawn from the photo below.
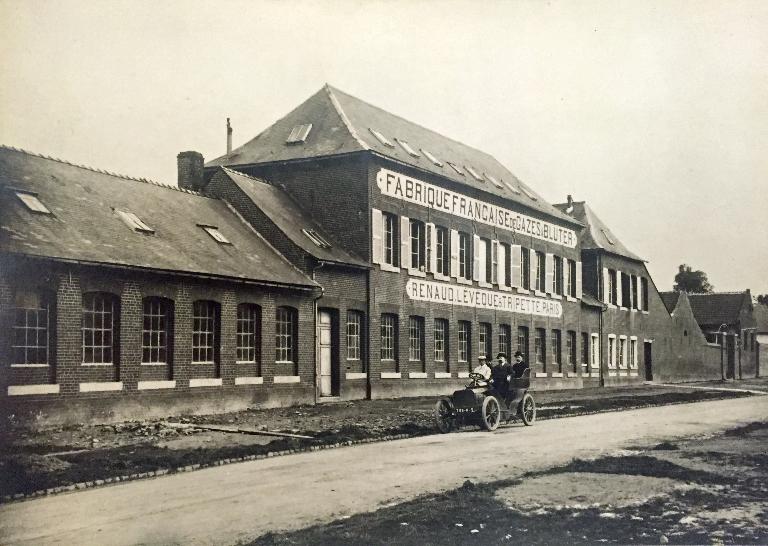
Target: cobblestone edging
(221, 462)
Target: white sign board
(467, 296)
(434, 197)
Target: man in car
(500, 374)
(483, 368)
(519, 366)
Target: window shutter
(405, 242)
(431, 248)
(532, 265)
(516, 269)
(377, 229)
(476, 258)
(578, 280)
(454, 253)
(550, 273)
(501, 270)
(619, 301)
(639, 294)
(606, 295)
(566, 277)
(495, 262)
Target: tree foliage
(692, 282)
(762, 298)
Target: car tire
(490, 413)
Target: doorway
(648, 357)
(328, 352)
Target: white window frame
(622, 348)
(204, 339)
(285, 331)
(247, 333)
(441, 345)
(388, 348)
(156, 339)
(594, 351)
(354, 334)
(612, 351)
(31, 305)
(415, 339)
(464, 340)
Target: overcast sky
(656, 113)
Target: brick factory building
(343, 253)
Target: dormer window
(494, 181)
(381, 138)
(527, 192)
(474, 174)
(455, 168)
(214, 232)
(299, 134)
(316, 238)
(32, 202)
(407, 148)
(432, 158)
(134, 222)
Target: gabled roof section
(342, 123)
(596, 234)
(718, 308)
(291, 219)
(670, 300)
(85, 225)
(591, 301)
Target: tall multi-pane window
(484, 340)
(286, 330)
(416, 339)
(522, 342)
(441, 340)
(504, 338)
(525, 268)
(464, 340)
(626, 294)
(611, 351)
(388, 336)
(541, 265)
(390, 241)
(584, 349)
(612, 287)
(443, 251)
(595, 351)
(418, 245)
(248, 333)
(32, 324)
(465, 256)
(570, 350)
(505, 249)
(486, 261)
(354, 335)
(540, 348)
(557, 277)
(571, 278)
(633, 353)
(100, 332)
(644, 286)
(557, 347)
(622, 352)
(156, 331)
(205, 330)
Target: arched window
(157, 331)
(249, 333)
(286, 329)
(33, 325)
(101, 332)
(205, 331)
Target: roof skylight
(474, 174)
(381, 138)
(32, 202)
(407, 148)
(493, 180)
(316, 238)
(299, 134)
(455, 168)
(432, 158)
(511, 187)
(214, 232)
(527, 192)
(134, 222)
(607, 236)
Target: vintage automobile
(479, 404)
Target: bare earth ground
(711, 490)
(37, 460)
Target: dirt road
(228, 504)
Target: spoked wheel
(444, 417)
(528, 410)
(491, 413)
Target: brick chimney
(190, 165)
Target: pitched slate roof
(85, 226)
(670, 300)
(719, 307)
(342, 124)
(291, 219)
(596, 234)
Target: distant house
(760, 339)
(728, 319)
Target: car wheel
(528, 410)
(444, 417)
(491, 413)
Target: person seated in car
(483, 369)
(519, 367)
(501, 374)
